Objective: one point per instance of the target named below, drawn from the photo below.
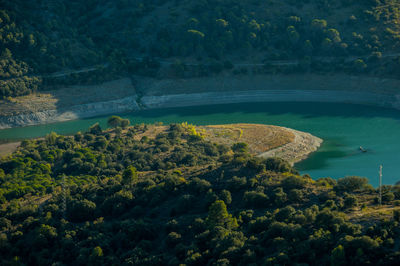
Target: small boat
(362, 149)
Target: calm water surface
(343, 127)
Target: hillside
(47, 44)
(166, 196)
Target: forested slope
(121, 197)
(122, 37)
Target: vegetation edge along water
(129, 196)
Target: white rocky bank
(299, 149)
(71, 113)
(132, 103)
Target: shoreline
(296, 151)
(152, 93)
(302, 144)
(328, 96)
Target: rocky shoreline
(299, 149)
(71, 113)
(208, 98)
(207, 91)
(132, 103)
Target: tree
(51, 138)
(81, 210)
(6, 54)
(125, 123)
(338, 256)
(280, 197)
(97, 252)
(222, 23)
(277, 164)
(319, 24)
(359, 65)
(95, 129)
(240, 147)
(129, 175)
(294, 182)
(255, 199)
(350, 201)
(351, 183)
(218, 215)
(293, 35)
(226, 196)
(114, 121)
(308, 47)
(96, 257)
(326, 44)
(388, 196)
(334, 35)
(196, 34)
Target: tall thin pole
(380, 185)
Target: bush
(81, 210)
(255, 199)
(295, 195)
(240, 147)
(350, 201)
(95, 129)
(225, 195)
(277, 164)
(197, 185)
(129, 175)
(114, 121)
(351, 183)
(388, 197)
(294, 182)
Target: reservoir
(343, 127)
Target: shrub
(295, 195)
(280, 197)
(351, 183)
(294, 182)
(350, 201)
(240, 147)
(387, 197)
(255, 199)
(277, 164)
(129, 175)
(81, 210)
(95, 129)
(114, 121)
(225, 195)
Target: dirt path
(8, 148)
(291, 62)
(373, 213)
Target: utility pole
(380, 185)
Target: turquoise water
(343, 127)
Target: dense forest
(132, 37)
(122, 196)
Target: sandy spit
(299, 149)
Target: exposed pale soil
(8, 148)
(260, 138)
(296, 150)
(121, 95)
(263, 140)
(67, 97)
